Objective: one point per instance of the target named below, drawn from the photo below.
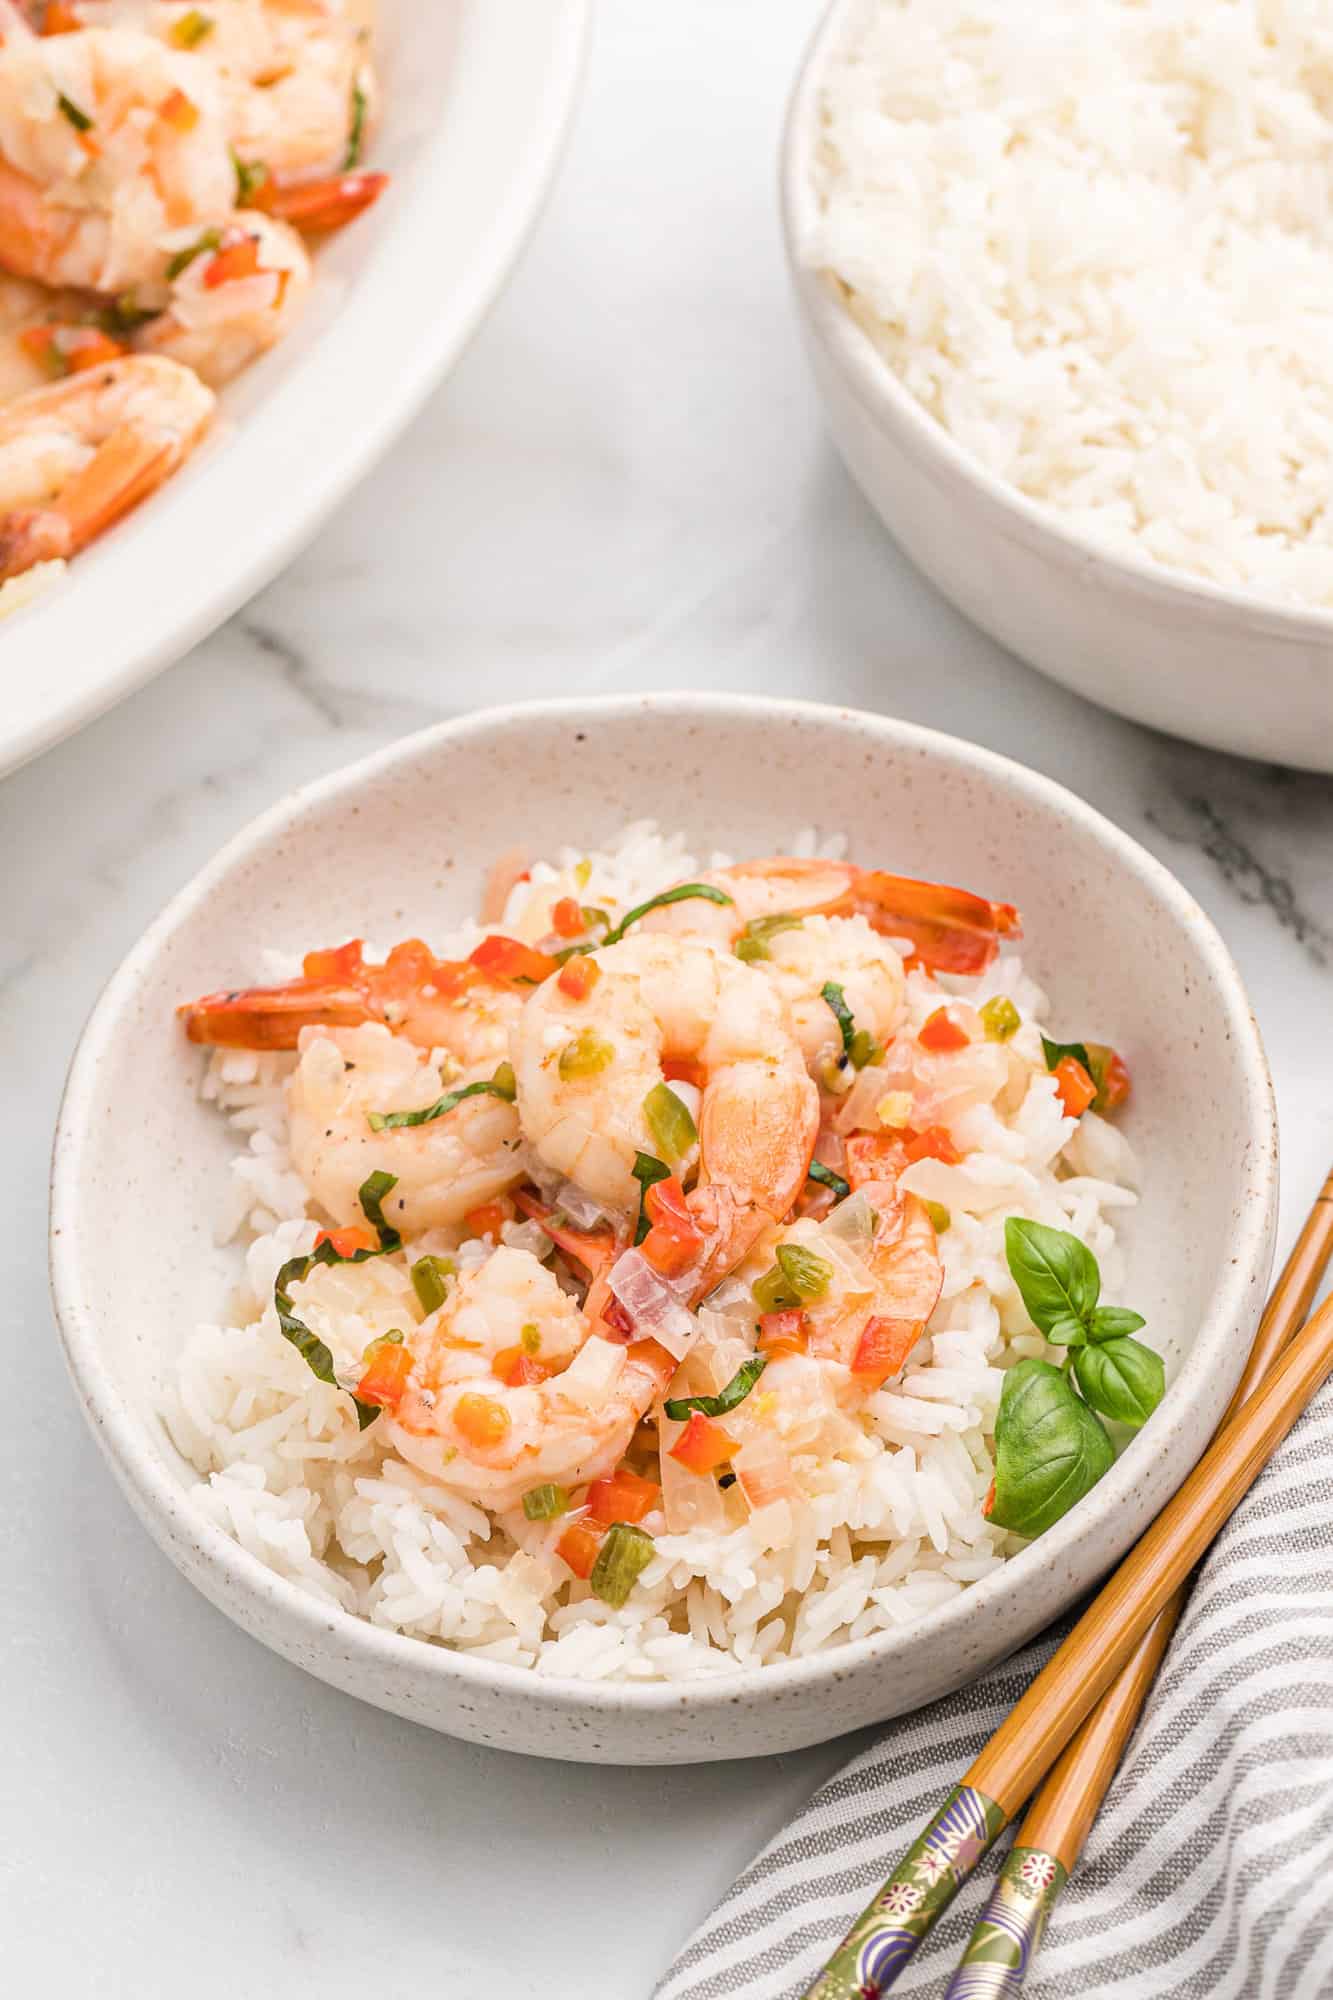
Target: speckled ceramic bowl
(401, 844)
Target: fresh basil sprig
(502, 1084)
(1050, 1447)
(739, 1387)
(308, 1345)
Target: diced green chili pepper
(808, 1274)
(773, 1294)
(752, 944)
(864, 1050)
(1000, 1019)
(544, 1503)
(670, 1122)
(939, 1216)
(430, 1281)
(587, 1055)
(191, 29)
(624, 1555)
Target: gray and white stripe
(1210, 1870)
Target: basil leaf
(502, 1084)
(1049, 1449)
(842, 1013)
(739, 1387)
(356, 129)
(1056, 1275)
(308, 1345)
(1122, 1379)
(1055, 1053)
(827, 1178)
(1111, 1322)
(682, 893)
(647, 1172)
(78, 119)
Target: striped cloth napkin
(1209, 1874)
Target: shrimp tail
(31, 535)
(272, 1017)
(951, 930)
(321, 205)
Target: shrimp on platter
(78, 454)
(109, 143)
(591, 1057)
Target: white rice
(892, 1528)
(1091, 237)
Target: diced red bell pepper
(622, 1497)
(578, 1545)
(1073, 1086)
(932, 1144)
(703, 1445)
(341, 962)
(67, 350)
(179, 111)
(884, 1346)
(567, 918)
(520, 1370)
(875, 1156)
(481, 1420)
(238, 259)
(60, 19)
(685, 1070)
(578, 976)
(674, 1239)
(783, 1333)
(942, 1034)
(489, 1218)
(324, 204)
(348, 1241)
(509, 958)
(389, 1364)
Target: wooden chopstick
(1113, 1633)
(1048, 1844)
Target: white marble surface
(624, 485)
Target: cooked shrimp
(585, 1065)
(951, 930)
(435, 1003)
(848, 953)
(511, 1388)
(300, 87)
(108, 143)
(242, 292)
(24, 310)
(444, 1168)
(78, 454)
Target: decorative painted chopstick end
(920, 1889)
(1008, 1932)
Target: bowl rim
(165, 1503)
(896, 412)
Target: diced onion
(593, 1373)
(656, 1310)
(851, 1223)
(764, 1471)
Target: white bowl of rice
(1065, 278)
(175, 1197)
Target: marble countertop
(625, 485)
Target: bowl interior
(401, 846)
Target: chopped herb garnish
(624, 1555)
(307, 1344)
(251, 175)
(357, 132)
(842, 1013)
(1000, 1019)
(210, 240)
(530, 1338)
(647, 1172)
(739, 1387)
(78, 119)
(502, 1084)
(827, 1178)
(752, 944)
(430, 1281)
(682, 893)
(545, 1503)
(191, 29)
(670, 1122)
(1056, 1052)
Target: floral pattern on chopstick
(1008, 1932)
(926, 1880)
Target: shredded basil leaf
(827, 1178)
(842, 1013)
(752, 944)
(682, 893)
(502, 1085)
(647, 1172)
(78, 119)
(251, 175)
(739, 1387)
(307, 1344)
(1055, 1053)
(356, 135)
(210, 240)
